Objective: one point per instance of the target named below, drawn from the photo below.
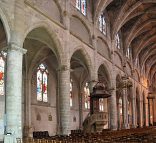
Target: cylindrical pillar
(14, 91)
(133, 111)
(80, 109)
(125, 104)
(113, 106)
(125, 113)
(27, 108)
(118, 114)
(149, 113)
(64, 98)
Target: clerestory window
(102, 24)
(81, 6)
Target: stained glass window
(101, 108)
(102, 24)
(2, 69)
(71, 89)
(128, 53)
(137, 62)
(120, 105)
(42, 83)
(87, 96)
(117, 41)
(78, 4)
(81, 6)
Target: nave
(53, 53)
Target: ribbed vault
(136, 20)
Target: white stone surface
(14, 91)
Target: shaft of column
(133, 112)
(14, 91)
(113, 104)
(80, 109)
(149, 113)
(27, 109)
(125, 113)
(64, 101)
(153, 111)
(118, 113)
(113, 111)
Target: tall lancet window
(81, 6)
(117, 41)
(2, 72)
(102, 24)
(78, 4)
(101, 107)
(128, 53)
(87, 96)
(71, 90)
(42, 83)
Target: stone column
(149, 112)
(153, 110)
(27, 108)
(146, 112)
(14, 91)
(80, 94)
(133, 107)
(141, 113)
(2, 116)
(124, 108)
(64, 98)
(133, 111)
(118, 114)
(113, 105)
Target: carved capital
(15, 47)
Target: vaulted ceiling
(136, 20)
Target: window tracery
(128, 53)
(102, 24)
(81, 6)
(2, 72)
(71, 90)
(42, 83)
(120, 105)
(101, 106)
(87, 96)
(117, 41)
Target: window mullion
(42, 85)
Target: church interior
(77, 71)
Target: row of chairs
(144, 135)
(41, 135)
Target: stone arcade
(53, 52)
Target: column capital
(15, 47)
(63, 68)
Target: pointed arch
(6, 25)
(54, 41)
(104, 68)
(85, 57)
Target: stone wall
(81, 35)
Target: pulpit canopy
(99, 91)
